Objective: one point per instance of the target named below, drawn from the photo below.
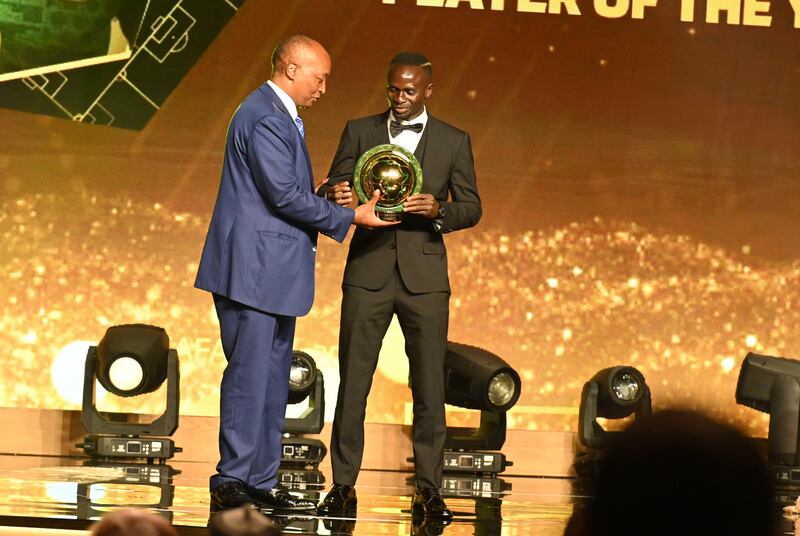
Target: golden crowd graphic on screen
(552, 302)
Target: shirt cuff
(438, 222)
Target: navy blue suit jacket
(261, 244)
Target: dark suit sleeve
(272, 160)
(344, 162)
(464, 208)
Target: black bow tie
(396, 128)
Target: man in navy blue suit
(258, 262)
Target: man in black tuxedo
(400, 270)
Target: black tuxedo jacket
(448, 172)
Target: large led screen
(637, 162)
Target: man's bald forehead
(292, 49)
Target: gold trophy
(394, 171)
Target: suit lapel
(419, 153)
(276, 101)
(308, 163)
(422, 147)
(379, 134)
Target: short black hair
(413, 58)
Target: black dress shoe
(231, 494)
(425, 526)
(339, 527)
(427, 502)
(341, 499)
(278, 498)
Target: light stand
(111, 435)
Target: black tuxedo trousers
(366, 315)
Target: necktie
(299, 123)
(396, 128)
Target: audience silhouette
(242, 521)
(132, 522)
(678, 472)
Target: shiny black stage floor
(65, 495)
(69, 493)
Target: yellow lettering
(430, 3)
(639, 5)
(755, 13)
(217, 355)
(498, 5)
(201, 346)
(796, 9)
(570, 5)
(615, 11)
(184, 347)
(732, 7)
(531, 6)
(687, 10)
(473, 4)
(195, 348)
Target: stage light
(772, 385)
(131, 360)
(478, 379)
(305, 382)
(612, 393)
(302, 376)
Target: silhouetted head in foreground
(132, 522)
(242, 521)
(679, 473)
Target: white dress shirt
(408, 139)
(287, 101)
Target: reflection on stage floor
(71, 493)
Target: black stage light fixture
(612, 393)
(772, 385)
(303, 376)
(478, 379)
(305, 382)
(130, 360)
